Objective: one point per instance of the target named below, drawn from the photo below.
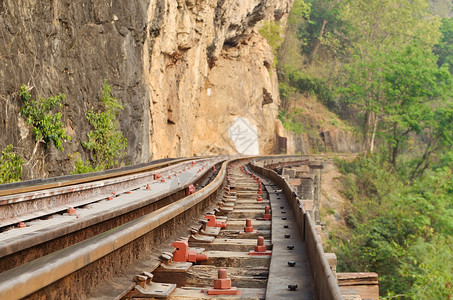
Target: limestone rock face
(183, 69)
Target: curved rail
(31, 202)
(66, 180)
(34, 276)
(29, 278)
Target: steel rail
(31, 205)
(11, 189)
(31, 277)
(33, 239)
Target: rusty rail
(31, 277)
(20, 204)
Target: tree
(377, 28)
(444, 49)
(413, 90)
(46, 124)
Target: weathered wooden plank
(191, 293)
(230, 244)
(204, 275)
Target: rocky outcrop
(184, 70)
(323, 140)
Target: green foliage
(307, 84)
(273, 33)
(401, 231)
(433, 281)
(286, 91)
(10, 166)
(377, 55)
(289, 121)
(47, 126)
(106, 142)
(444, 49)
(325, 29)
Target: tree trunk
(373, 134)
(395, 146)
(318, 41)
(369, 132)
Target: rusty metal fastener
(71, 211)
(21, 225)
(140, 280)
(260, 245)
(248, 225)
(183, 254)
(291, 263)
(222, 285)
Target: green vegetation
(10, 166)
(305, 83)
(47, 126)
(106, 142)
(289, 121)
(273, 33)
(386, 67)
(402, 231)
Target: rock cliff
(185, 70)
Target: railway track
(242, 234)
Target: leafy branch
(106, 142)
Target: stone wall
(184, 70)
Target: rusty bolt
(260, 245)
(21, 225)
(148, 187)
(71, 211)
(222, 282)
(248, 225)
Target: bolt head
(291, 263)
